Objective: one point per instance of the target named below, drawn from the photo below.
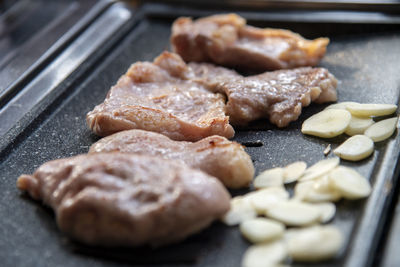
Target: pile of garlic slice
(355, 120)
(264, 214)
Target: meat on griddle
(187, 102)
(226, 40)
(120, 199)
(277, 95)
(161, 97)
(214, 155)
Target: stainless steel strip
(16, 51)
(64, 65)
(29, 62)
(372, 216)
(391, 255)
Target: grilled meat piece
(278, 95)
(227, 40)
(186, 102)
(160, 97)
(214, 155)
(119, 199)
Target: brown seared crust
(117, 199)
(227, 40)
(214, 155)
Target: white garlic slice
(259, 230)
(355, 148)
(265, 254)
(316, 243)
(367, 110)
(241, 210)
(340, 105)
(349, 183)
(319, 169)
(327, 123)
(268, 178)
(293, 171)
(381, 130)
(294, 213)
(358, 125)
(327, 209)
(265, 198)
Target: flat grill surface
(367, 72)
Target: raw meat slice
(278, 95)
(120, 199)
(227, 40)
(214, 155)
(160, 97)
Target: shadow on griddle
(93, 138)
(188, 251)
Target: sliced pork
(278, 95)
(227, 40)
(214, 155)
(187, 102)
(119, 199)
(161, 97)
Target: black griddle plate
(367, 66)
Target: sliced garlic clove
(381, 130)
(319, 190)
(240, 211)
(355, 148)
(358, 125)
(327, 123)
(340, 105)
(265, 254)
(263, 199)
(319, 169)
(327, 209)
(268, 178)
(259, 230)
(293, 171)
(302, 189)
(294, 213)
(367, 110)
(349, 183)
(316, 243)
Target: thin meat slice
(278, 95)
(227, 40)
(160, 97)
(119, 199)
(214, 155)
(187, 102)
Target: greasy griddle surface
(366, 66)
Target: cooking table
(59, 58)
